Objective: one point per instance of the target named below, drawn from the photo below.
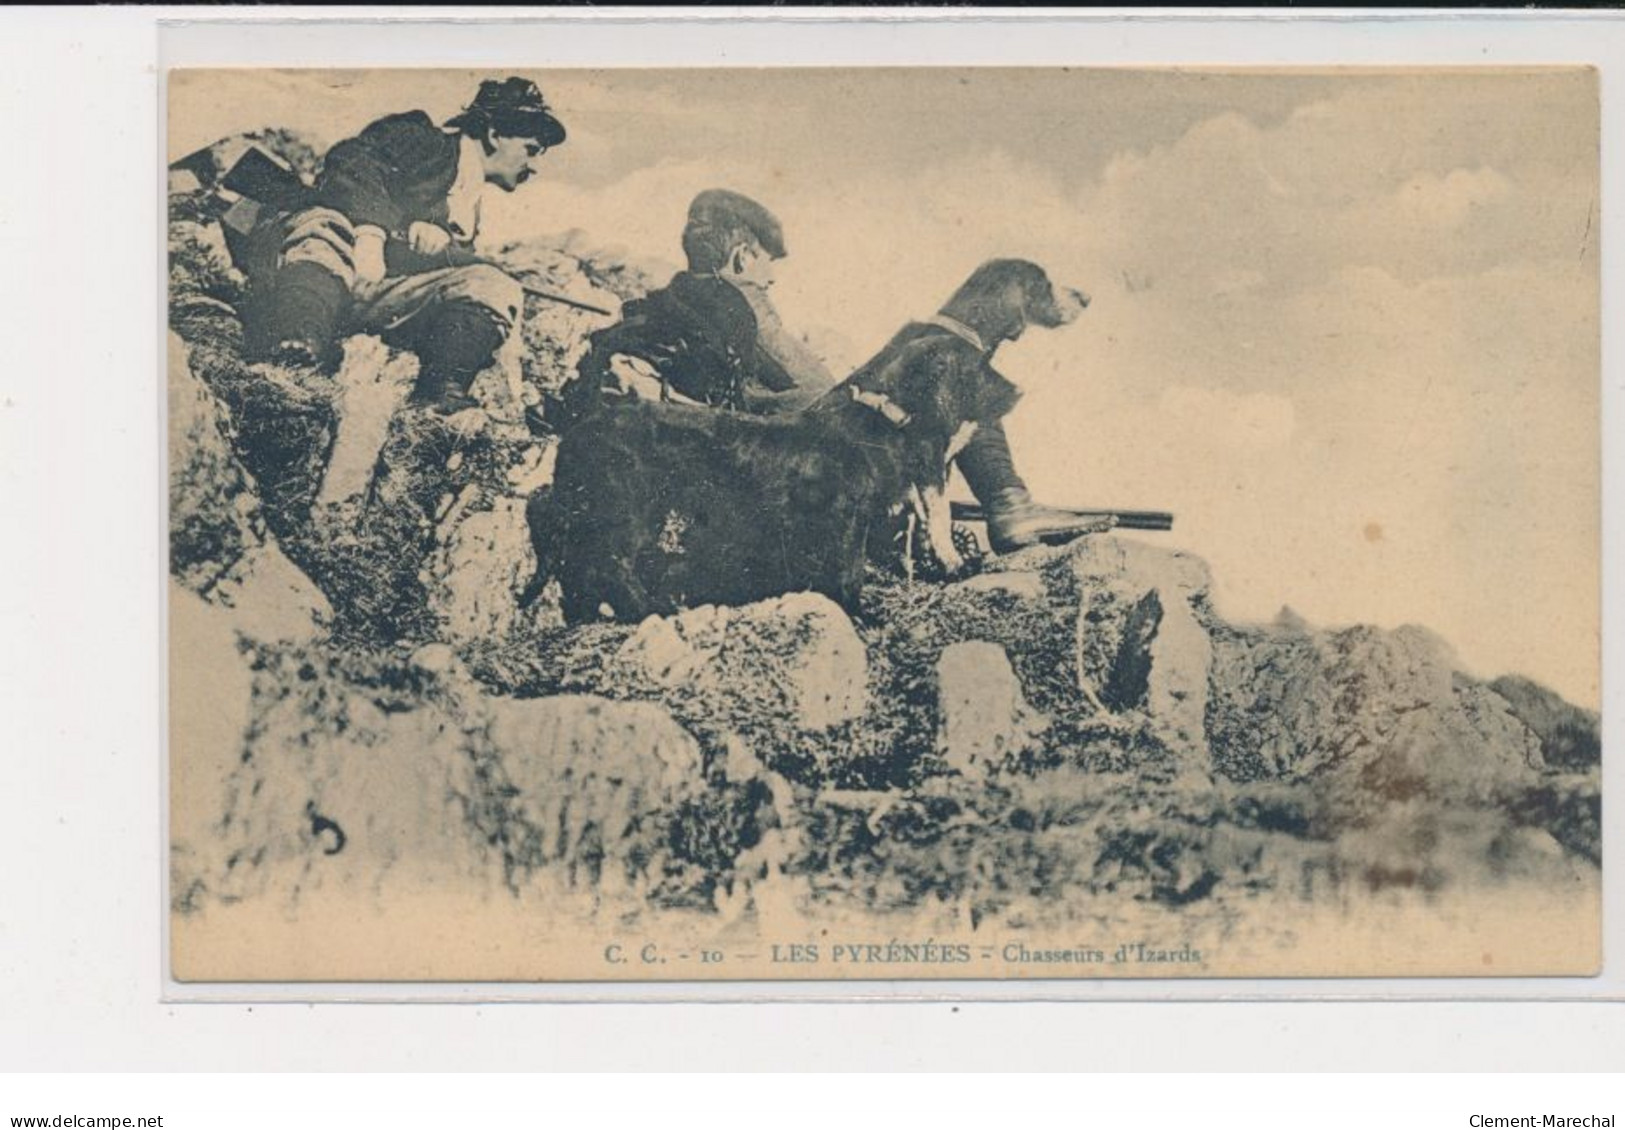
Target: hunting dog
(659, 506)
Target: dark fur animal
(657, 507)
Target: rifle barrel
(549, 296)
(1126, 519)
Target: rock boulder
(219, 546)
(796, 659)
(984, 717)
(362, 776)
(1386, 710)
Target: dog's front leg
(936, 520)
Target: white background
(80, 666)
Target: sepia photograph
(935, 523)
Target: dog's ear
(994, 300)
(1034, 294)
(925, 387)
(956, 388)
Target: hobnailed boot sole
(1046, 537)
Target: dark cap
(719, 208)
(515, 107)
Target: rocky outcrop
(1142, 643)
(220, 548)
(436, 547)
(796, 659)
(1384, 711)
(984, 717)
(411, 523)
(1569, 737)
(373, 384)
(354, 776)
(283, 420)
(214, 518)
(593, 778)
(368, 775)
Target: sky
(1344, 322)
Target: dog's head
(1003, 297)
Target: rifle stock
(1126, 519)
(257, 175)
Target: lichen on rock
(796, 658)
(984, 717)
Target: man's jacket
(396, 171)
(699, 333)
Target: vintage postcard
(820, 524)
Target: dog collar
(958, 329)
(885, 405)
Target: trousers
(301, 267)
(989, 466)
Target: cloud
(1402, 176)
(868, 250)
(325, 106)
(1254, 422)
(1443, 203)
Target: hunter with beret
(711, 335)
(384, 243)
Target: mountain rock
(220, 548)
(1142, 643)
(984, 717)
(794, 660)
(364, 774)
(1386, 711)
(1569, 737)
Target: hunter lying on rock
(659, 506)
(383, 242)
(709, 337)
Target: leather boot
(295, 318)
(452, 350)
(1014, 520)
